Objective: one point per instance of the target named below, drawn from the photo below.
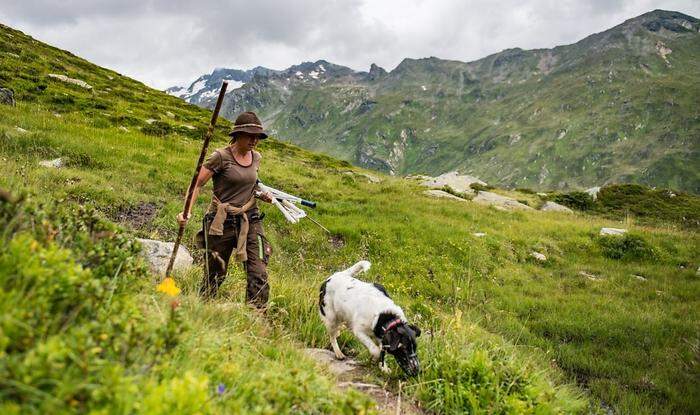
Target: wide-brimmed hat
(248, 122)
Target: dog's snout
(415, 366)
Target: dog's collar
(391, 325)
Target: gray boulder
(496, 200)
(157, 254)
(7, 97)
(457, 182)
(443, 194)
(555, 207)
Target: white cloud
(165, 43)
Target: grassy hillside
(618, 106)
(504, 333)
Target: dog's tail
(361, 266)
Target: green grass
(503, 332)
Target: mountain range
(618, 106)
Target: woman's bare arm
(204, 175)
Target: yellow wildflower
(168, 287)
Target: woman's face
(247, 141)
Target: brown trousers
(219, 254)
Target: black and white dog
(371, 315)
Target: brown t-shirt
(233, 183)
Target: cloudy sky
(171, 42)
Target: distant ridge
(617, 106)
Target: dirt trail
(352, 374)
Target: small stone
(21, 130)
(612, 231)
(57, 115)
(169, 114)
(150, 121)
(538, 256)
(639, 277)
(590, 276)
(52, 164)
(7, 97)
(479, 234)
(189, 127)
(122, 128)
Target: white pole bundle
(285, 203)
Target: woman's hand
(266, 197)
(182, 219)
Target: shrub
(72, 336)
(157, 128)
(626, 247)
(478, 187)
(575, 200)
(448, 189)
(649, 205)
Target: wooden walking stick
(193, 183)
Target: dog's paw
(385, 368)
(340, 356)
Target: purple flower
(221, 389)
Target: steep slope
(618, 106)
(83, 330)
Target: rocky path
(352, 374)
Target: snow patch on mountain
(198, 86)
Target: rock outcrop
(376, 72)
(73, 81)
(443, 194)
(493, 199)
(457, 182)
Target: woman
(233, 223)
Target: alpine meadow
(522, 311)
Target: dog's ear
(415, 329)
